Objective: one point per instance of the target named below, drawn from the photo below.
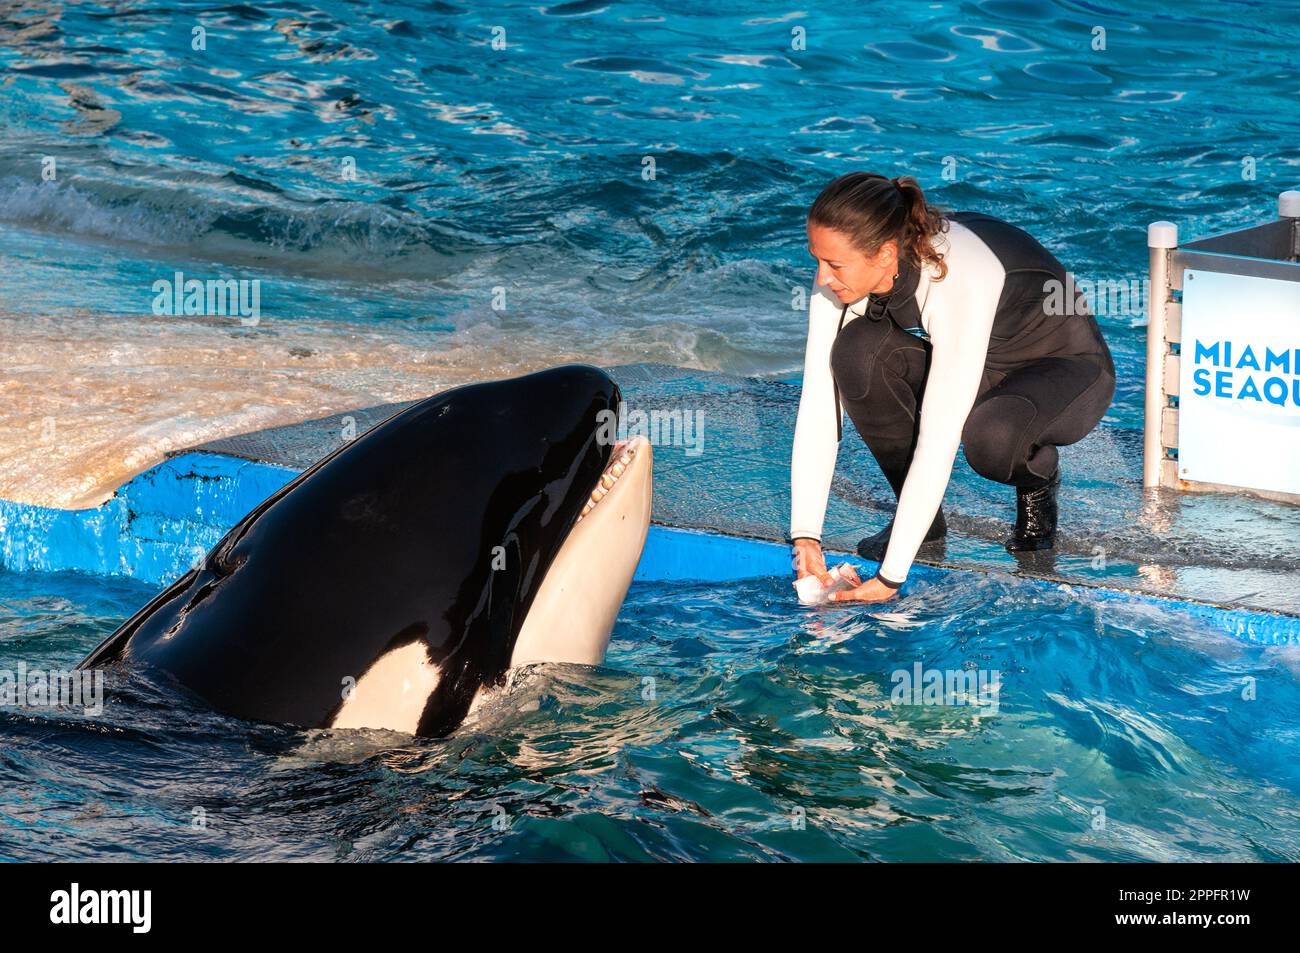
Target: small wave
(338, 238)
(65, 207)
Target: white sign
(1239, 382)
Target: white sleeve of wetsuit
(961, 309)
(816, 442)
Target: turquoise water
(727, 724)
(503, 195)
(521, 168)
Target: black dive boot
(894, 468)
(932, 547)
(1035, 517)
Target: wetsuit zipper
(839, 414)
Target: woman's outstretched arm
(961, 309)
(816, 440)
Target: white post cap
(1288, 204)
(1162, 235)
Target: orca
(398, 580)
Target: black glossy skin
(388, 540)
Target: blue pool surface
(480, 168)
(728, 473)
(728, 723)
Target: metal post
(1288, 206)
(1162, 239)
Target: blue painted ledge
(154, 528)
(163, 521)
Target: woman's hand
(873, 590)
(809, 560)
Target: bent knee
(994, 434)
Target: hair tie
(904, 194)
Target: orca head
(401, 577)
(598, 493)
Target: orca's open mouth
(623, 459)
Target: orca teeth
(607, 480)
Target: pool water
(402, 165)
(423, 206)
(728, 723)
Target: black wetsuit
(1047, 378)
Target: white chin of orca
(572, 614)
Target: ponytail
(872, 210)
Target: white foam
(89, 401)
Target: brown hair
(872, 210)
